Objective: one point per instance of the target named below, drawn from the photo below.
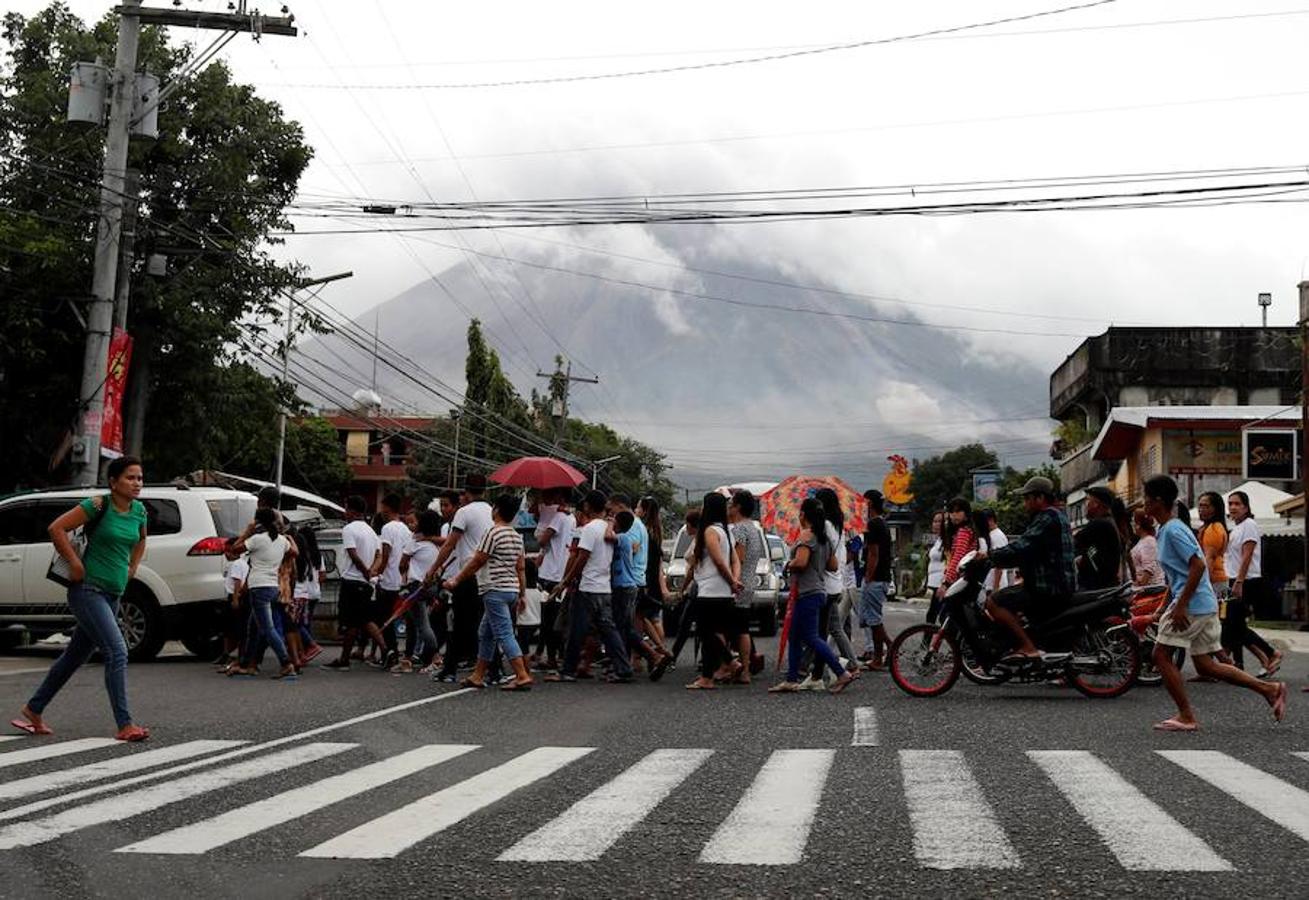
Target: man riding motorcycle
(1044, 555)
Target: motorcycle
(1086, 644)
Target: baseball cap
(1038, 485)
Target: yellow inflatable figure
(895, 486)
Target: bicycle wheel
(925, 661)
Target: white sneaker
(812, 684)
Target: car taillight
(210, 546)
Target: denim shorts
(871, 600)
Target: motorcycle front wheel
(1119, 653)
(925, 661)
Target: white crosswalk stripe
(399, 830)
(109, 768)
(253, 818)
(770, 826)
(1138, 832)
(953, 825)
(117, 807)
(52, 750)
(595, 823)
(1271, 797)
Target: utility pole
(566, 379)
(113, 193)
(1304, 419)
(1265, 301)
(595, 468)
(454, 463)
(286, 361)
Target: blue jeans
(804, 633)
(584, 610)
(97, 629)
(497, 626)
(262, 600)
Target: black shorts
(648, 607)
(741, 619)
(1017, 599)
(383, 605)
(354, 604)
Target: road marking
(399, 830)
(135, 762)
(125, 806)
(770, 826)
(50, 751)
(1271, 797)
(11, 737)
(953, 825)
(865, 727)
(201, 837)
(29, 808)
(1137, 831)
(595, 823)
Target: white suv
(178, 590)
(764, 610)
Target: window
(16, 524)
(162, 517)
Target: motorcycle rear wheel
(917, 668)
(1122, 653)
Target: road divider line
(60, 748)
(865, 727)
(110, 768)
(1271, 797)
(770, 825)
(11, 737)
(134, 803)
(28, 808)
(1137, 831)
(593, 824)
(201, 837)
(401, 829)
(952, 823)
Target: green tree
(941, 478)
(315, 457)
(213, 187)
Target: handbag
(80, 538)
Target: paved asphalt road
(945, 797)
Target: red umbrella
(538, 472)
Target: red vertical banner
(111, 426)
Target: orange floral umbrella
(780, 507)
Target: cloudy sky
(1130, 86)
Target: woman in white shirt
(267, 548)
(1244, 566)
(935, 568)
(717, 579)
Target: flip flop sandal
(559, 678)
(515, 686)
(1279, 703)
(785, 687)
(1174, 725)
(841, 684)
(697, 686)
(469, 683)
(24, 725)
(133, 735)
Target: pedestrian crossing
(950, 819)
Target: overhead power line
(726, 63)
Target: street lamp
(1265, 301)
(595, 468)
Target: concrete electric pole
(113, 198)
(1304, 419)
(561, 414)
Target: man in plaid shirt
(1044, 555)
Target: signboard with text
(1271, 454)
(1202, 453)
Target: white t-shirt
(709, 582)
(996, 539)
(265, 559)
(474, 520)
(358, 536)
(421, 556)
(396, 535)
(555, 559)
(935, 565)
(237, 573)
(595, 574)
(1237, 538)
(833, 582)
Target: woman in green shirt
(115, 544)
